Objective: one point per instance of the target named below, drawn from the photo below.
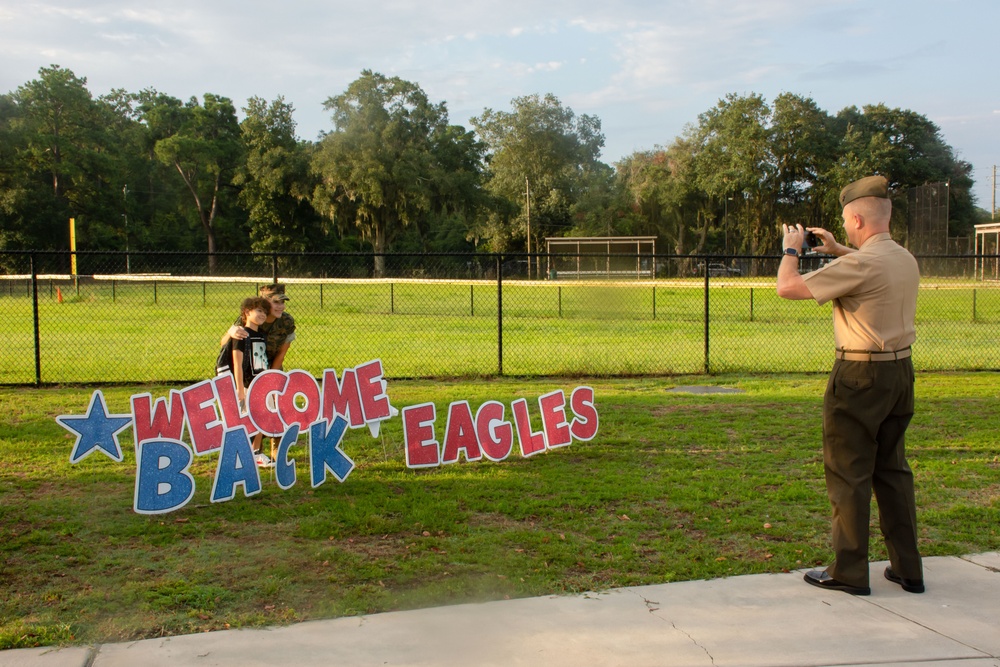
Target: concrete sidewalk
(768, 619)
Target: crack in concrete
(653, 609)
(972, 562)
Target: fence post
(274, 268)
(499, 316)
(706, 317)
(34, 306)
(392, 298)
(472, 302)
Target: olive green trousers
(866, 410)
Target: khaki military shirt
(874, 294)
(278, 332)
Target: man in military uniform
(279, 331)
(868, 402)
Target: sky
(645, 68)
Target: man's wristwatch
(793, 252)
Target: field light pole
(72, 248)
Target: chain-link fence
(158, 317)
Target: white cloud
(551, 66)
(645, 68)
(87, 16)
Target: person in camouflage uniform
(279, 328)
(279, 331)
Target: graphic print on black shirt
(254, 349)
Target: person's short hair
(872, 209)
(255, 302)
(274, 291)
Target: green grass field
(676, 486)
(168, 331)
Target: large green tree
(660, 187)
(457, 194)
(157, 200)
(62, 150)
(15, 184)
(541, 159)
(909, 150)
(602, 207)
(275, 180)
(60, 122)
(803, 145)
(202, 144)
(146, 170)
(391, 161)
(746, 167)
(732, 158)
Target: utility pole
(527, 208)
(128, 260)
(725, 222)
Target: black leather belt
(865, 355)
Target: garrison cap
(871, 186)
(275, 291)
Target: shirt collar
(875, 238)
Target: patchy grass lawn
(675, 486)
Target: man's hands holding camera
(817, 238)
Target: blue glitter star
(97, 430)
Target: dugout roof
(987, 243)
(594, 256)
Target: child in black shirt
(250, 354)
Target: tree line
(148, 171)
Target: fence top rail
(693, 282)
(475, 255)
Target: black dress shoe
(821, 579)
(909, 585)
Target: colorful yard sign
(286, 404)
